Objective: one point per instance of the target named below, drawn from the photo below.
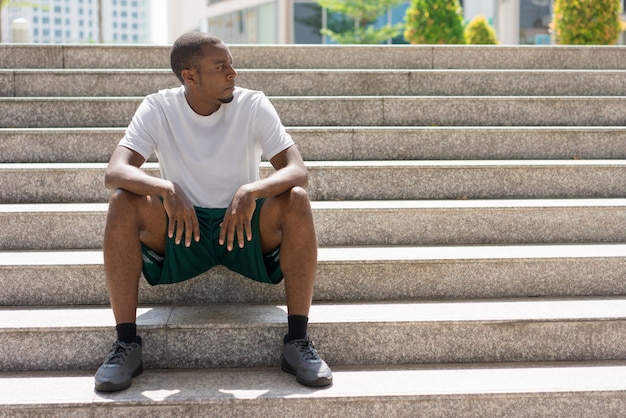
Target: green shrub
(434, 22)
(586, 22)
(361, 16)
(480, 32)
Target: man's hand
(237, 219)
(182, 216)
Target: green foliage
(586, 22)
(360, 18)
(367, 35)
(434, 22)
(480, 32)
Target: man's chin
(227, 100)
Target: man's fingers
(187, 226)
(240, 235)
(249, 230)
(180, 228)
(196, 229)
(232, 229)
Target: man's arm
(124, 172)
(290, 172)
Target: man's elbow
(109, 179)
(304, 179)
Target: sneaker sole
(111, 387)
(320, 382)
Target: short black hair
(187, 51)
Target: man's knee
(127, 207)
(297, 201)
(298, 196)
(124, 202)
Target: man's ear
(189, 76)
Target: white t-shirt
(209, 157)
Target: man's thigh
(292, 207)
(153, 227)
(270, 224)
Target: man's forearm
(136, 181)
(279, 182)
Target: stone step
(343, 111)
(571, 389)
(62, 278)
(210, 335)
(45, 145)
(358, 180)
(325, 56)
(61, 83)
(364, 223)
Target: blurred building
(299, 21)
(79, 21)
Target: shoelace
(118, 353)
(307, 350)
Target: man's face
(216, 75)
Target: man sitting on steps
(210, 206)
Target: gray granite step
(66, 278)
(61, 83)
(325, 56)
(571, 389)
(50, 145)
(344, 111)
(401, 332)
(358, 180)
(341, 223)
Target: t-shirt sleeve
(141, 134)
(271, 133)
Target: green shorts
(182, 263)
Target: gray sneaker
(300, 358)
(121, 365)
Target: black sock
(127, 333)
(297, 327)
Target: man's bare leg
(287, 220)
(131, 220)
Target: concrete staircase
(470, 204)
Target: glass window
(397, 16)
(309, 18)
(307, 22)
(266, 24)
(535, 16)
